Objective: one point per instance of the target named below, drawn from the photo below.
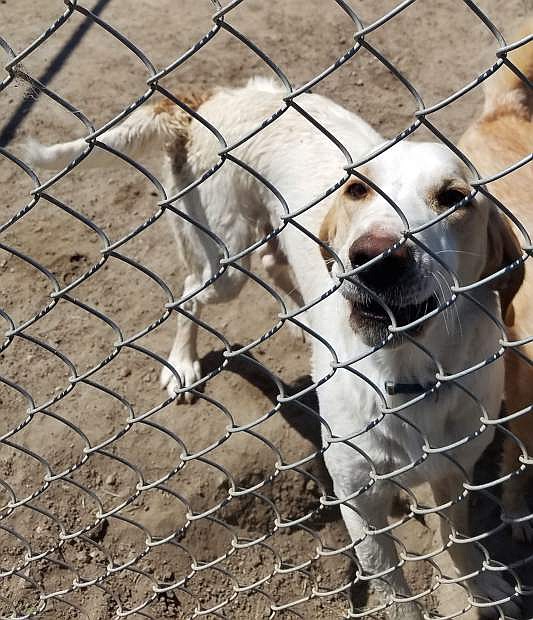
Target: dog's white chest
(406, 430)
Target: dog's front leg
(376, 553)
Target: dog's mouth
(371, 319)
(372, 310)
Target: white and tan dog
(379, 446)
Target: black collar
(392, 388)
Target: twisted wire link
(53, 559)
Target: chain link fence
(115, 501)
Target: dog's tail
(506, 92)
(146, 129)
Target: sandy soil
(54, 484)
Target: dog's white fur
(301, 163)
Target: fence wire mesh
(118, 502)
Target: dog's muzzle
(392, 290)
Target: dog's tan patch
(328, 230)
(337, 218)
(192, 98)
(177, 122)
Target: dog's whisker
(456, 252)
(439, 284)
(446, 294)
(453, 307)
(459, 323)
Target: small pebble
(310, 486)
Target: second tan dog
(501, 137)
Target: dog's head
(398, 277)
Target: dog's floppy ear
(503, 248)
(328, 230)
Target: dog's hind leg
(183, 357)
(201, 255)
(277, 267)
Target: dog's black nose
(386, 271)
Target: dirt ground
(91, 456)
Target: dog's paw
(491, 587)
(296, 331)
(405, 611)
(188, 371)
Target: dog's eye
(450, 197)
(357, 190)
